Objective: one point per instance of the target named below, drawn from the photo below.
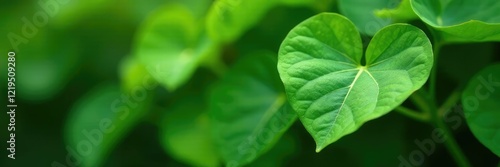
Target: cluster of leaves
(327, 80)
(336, 67)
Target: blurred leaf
(402, 13)
(186, 133)
(69, 12)
(100, 119)
(134, 75)
(140, 9)
(198, 7)
(273, 28)
(296, 2)
(171, 45)
(362, 14)
(461, 20)
(480, 100)
(332, 90)
(453, 59)
(277, 156)
(249, 110)
(45, 65)
(227, 20)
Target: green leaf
(227, 20)
(100, 119)
(186, 133)
(402, 13)
(480, 101)
(461, 20)
(134, 75)
(45, 65)
(67, 13)
(362, 14)
(279, 154)
(320, 63)
(171, 44)
(249, 110)
(317, 4)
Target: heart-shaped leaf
(249, 110)
(172, 45)
(481, 108)
(461, 20)
(320, 63)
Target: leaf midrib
(361, 70)
(340, 109)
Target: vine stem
(449, 103)
(419, 116)
(436, 116)
(451, 143)
(435, 50)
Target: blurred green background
(82, 60)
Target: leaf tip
(319, 147)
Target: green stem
(421, 100)
(433, 77)
(449, 103)
(419, 116)
(451, 143)
(429, 106)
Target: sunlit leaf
(134, 75)
(330, 86)
(171, 44)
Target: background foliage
(188, 82)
